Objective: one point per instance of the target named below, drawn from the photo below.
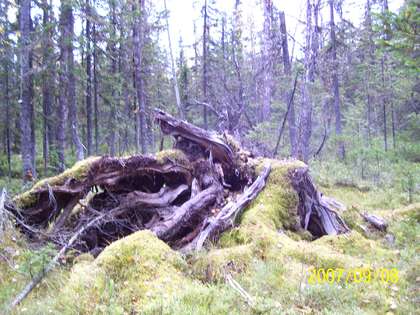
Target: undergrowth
(265, 255)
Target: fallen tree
(181, 195)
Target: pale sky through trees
(184, 12)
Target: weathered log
(163, 198)
(209, 140)
(226, 218)
(376, 221)
(193, 211)
(63, 216)
(314, 213)
(198, 206)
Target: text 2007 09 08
(354, 275)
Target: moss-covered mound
(78, 172)
(266, 254)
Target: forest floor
(259, 267)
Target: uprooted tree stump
(180, 194)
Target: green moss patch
(78, 172)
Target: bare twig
(3, 215)
(237, 287)
(38, 278)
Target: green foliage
(34, 262)
(403, 33)
(140, 273)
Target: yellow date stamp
(353, 275)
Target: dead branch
(3, 213)
(376, 221)
(315, 214)
(210, 141)
(38, 278)
(225, 219)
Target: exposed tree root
(315, 214)
(176, 194)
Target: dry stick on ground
(377, 222)
(237, 287)
(225, 219)
(38, 278)
(3, 213)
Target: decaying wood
(376, 221)
(38, 278)
(163, 198)
(226, 218)
(208, 140)
(3, 213)
(314, 213)
(173, 197)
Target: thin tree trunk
(205, 61)
(336, 88)
(305, 125)
(289, 105)
(113, 70)
(89, 139)
(7, 117)
(71, 83)
(371, 64)
(47, 83)
(267, 60)
(394, 144)
(384, 102)
(95, 89)
(27, 108)
(138, 41)
(174, 77)
(288, 73)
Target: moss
(410, 211)
(127, 275)
(78, 172)
(212, 266)
(355, 245)
(275, 206)
(141, 274)
(172, 155)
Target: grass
(140, 274)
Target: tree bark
(267, 60)
(63, 105)
(71, 79)
(174, 76)
(7, 117)
(305, 125)
(288, 73)
(112, 87)
(89, 123)
(138, 45)
(27, 107)
(95, 89)
(47, 83)
(336, 88)
(205, 61)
